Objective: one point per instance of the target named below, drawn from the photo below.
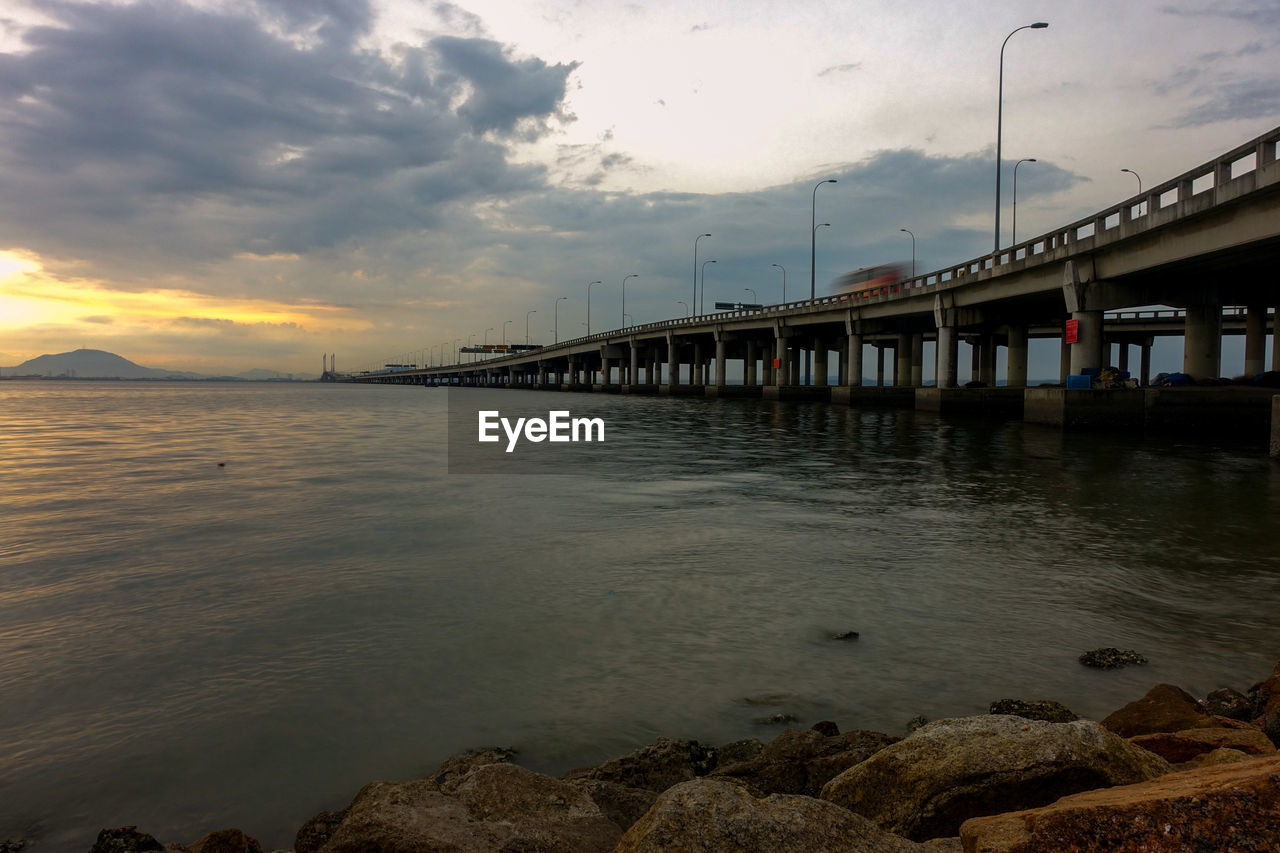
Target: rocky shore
(1166, 772)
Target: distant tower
(324, 363)
(333, 362)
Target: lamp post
(624, 299)
(469, 337)
(504, 332)
(624, 320)
(1136, 175)
(589, 307)
(784, 280)
(556, 331)
(443, 346)
(456, 357)
(754, 298)
(1014, 239)
(526, 325)
(486, 340)
(695, 267)
(813, 243)
(687, 312)
(702, 306)
(913, 251)
(1039, 25)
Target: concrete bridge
(1206, 242)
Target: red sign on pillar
(1073, 331)
(777, 362)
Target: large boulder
(721, 816)
(125, 839)
(622, 805)
(655, 768)
(1232, 807)
(1165, 708)
(951, 770)
(1177, 747)
(495, 807)
(801, 762)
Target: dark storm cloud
(143, 135)
(1264, 14)
(504, 93)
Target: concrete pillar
(1275, 341)
(820, 362)
(632, 378)
(695, 373)
(1122, 363)
(948, 357)
(1255, 340)
(1087, 350)
(766, 365)
(917, 360)
(1202, 341)
(673, 361)
(1016, 373)
(720, 359)
(902, 360)
(879, 345)
(571, 372)
(749, 368)
(975, 359)
(1064, 361)
(782, 373)
(853, 354)
(1144, 370)
(987, 375)
(794, 357)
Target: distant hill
(98, 364)
(92, 364)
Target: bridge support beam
(1202, 341)
(879, 345)
(917, 360)
(853, 360)
(820, 363)
(1016, 372)
(1255, 340)
(902, 361)
(1064, 362)
(987, 363)
(1086, 352)
(673, 361)
(948, 357)
(749, 368)
(720, 361)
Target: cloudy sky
(215, 186)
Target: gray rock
(739, 750)
(313, 834)
(495, 807)
(801, 762)
(624, 806)
(1232, 704)
(951, 770)
(125, 839)
(455, 767)
(718, 816)
(654, 768)
(1111, 658)
(1043, 709)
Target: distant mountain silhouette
(98, 364)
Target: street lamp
(526, 325)
(469, 337)
(1136, 175)
(624, 320)
(504, 332)
(486, 341)
(687, 312)
(589, 307)
(456, 341)
(913, 251)
(695, 267)
(755, 299)
(813, 243)
(1039, 25)
(443, 346)
(624, 299)
(784, 280)
(702, 306)
(1014, 240)
(556, 331)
